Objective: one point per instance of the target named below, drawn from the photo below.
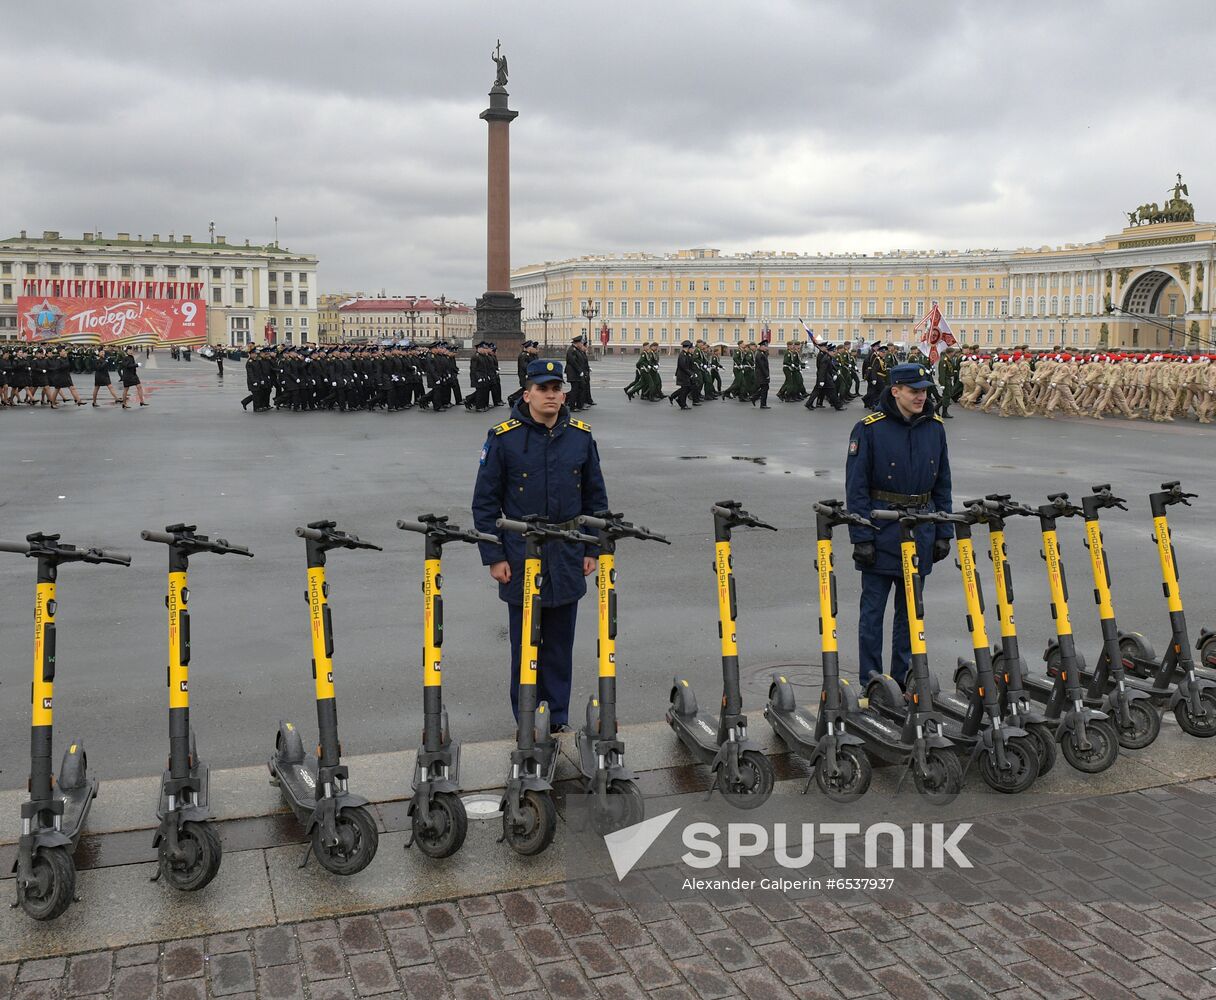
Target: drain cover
(483, 805)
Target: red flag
(934, 330)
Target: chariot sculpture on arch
(1177, 209)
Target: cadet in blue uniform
(897, 457)
(540, 461)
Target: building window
(217, 273)
(171, 271)
(920, 285)
(194, 272)
(1089, 304)
(54, 270)
(217, 296)
(304, 322)
(78, 270)
(239, 296)
(303, 298)
(8, 292)
(238, 274)
(149, 271)
(273, 297)
(286, 297)
(303, 277)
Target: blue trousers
(556, 661)
(875, 590)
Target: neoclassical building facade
(1148, 286)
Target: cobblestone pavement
(1107, 897)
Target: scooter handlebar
(835, 510)
(158, 536)
(617, 528)
(1106, 498)
(336, 539)
(1176, 494)
(102, 556)
(549, 532)
(732, 511)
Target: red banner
(149, 322)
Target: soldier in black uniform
(530, 349)
(480, 378)
(128, 372)
(825, 380)
(576, 369)
(762, 376)
(686, 376)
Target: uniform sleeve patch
(485, 450)
(852, 447)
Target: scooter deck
(298, 784)
(76, 805)
(202, 773)
(698, 732)
(951, 728)
(795, 729)
(882, 738)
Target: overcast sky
(766, 124)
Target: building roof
(418, 304)
(123, 241)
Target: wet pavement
(1102, 897)
(100, 475)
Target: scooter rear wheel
(540, 824)
(449, 825)
(623, 807)
(1136, 654)
(357, 842)
(755, 784)
(942, 779)
(1144, 725)
(54, 885)
(1044, 745)
(202, 852)
(1207, 653)
(852, 780)
(1193, 725)
(1103, 747)
(1023, 759)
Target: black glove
(864, 554)
(941, 549)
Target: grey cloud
(778, 124)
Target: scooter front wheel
(54, 884)
(1193, 725)
(357, 842)
(448, 827)
(1103, 747)
(1044, 745)
(942, 779)
(539, 824)
(622, 806)
(1023, 760)
(755, 782)
(201, 852)
(1142, 726)
(852, 778)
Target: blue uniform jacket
(526, 468)
(889, 453)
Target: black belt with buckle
(901, 499)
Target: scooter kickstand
(307, 853)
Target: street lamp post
(590, 311)
(544, 316)
(442, 308)
(1063, 335)
(412, 313)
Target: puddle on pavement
(755, 459)
(690, 458)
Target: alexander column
(498, 311)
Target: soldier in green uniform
(747, 377)
(736, 385)
(948, 379)
(793, 388)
